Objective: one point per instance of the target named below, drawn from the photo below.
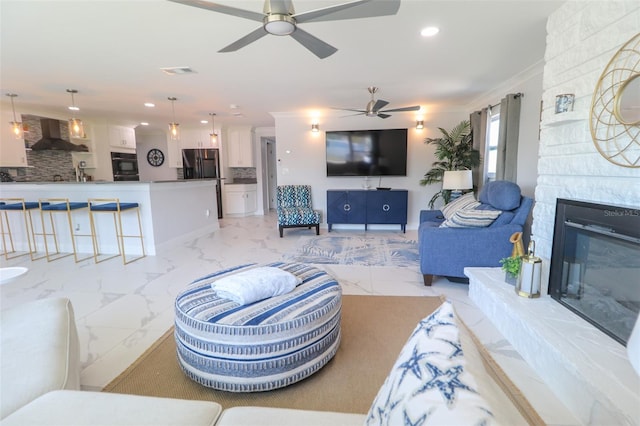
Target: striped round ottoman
(262, 346)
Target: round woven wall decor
(617, 137)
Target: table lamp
(456, 181)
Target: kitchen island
(170, 211)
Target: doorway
(270, 172)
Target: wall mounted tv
(367, 152)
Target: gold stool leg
(5, 249)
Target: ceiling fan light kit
(279, 18)
(280, 25)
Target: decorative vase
(510, 279)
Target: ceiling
(112, 52)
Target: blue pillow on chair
(502, 195)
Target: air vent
(178, 70)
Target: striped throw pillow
(471, 219)
(464, 202)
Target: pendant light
(76, 128)
(173, 127)
(16, 126)
(213, 134)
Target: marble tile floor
(122, 309)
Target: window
(491, 150)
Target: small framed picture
(564, 103)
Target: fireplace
(595, 264)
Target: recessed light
(144, 123)
(74, 108)
(149, 104)
(234, 106)
(429, 31)
(204, 121)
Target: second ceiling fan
(279, 18)
(374, 107)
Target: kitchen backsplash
(243, 172)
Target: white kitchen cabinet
(174, 153)
(122, 137)
(199, 138)
(240, 199)
(12, 150)
(240, 147)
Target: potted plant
(511, 267)
(454, 151)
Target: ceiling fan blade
(351, 10)
(383, 115)
(314, 44)
(352, 115)
(242, 13)
(411, 108)
(379, 105)
(361, 111)
(249, 38)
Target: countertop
(110, 182)
(247, 181)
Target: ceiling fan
(279, 18)
(374, 108)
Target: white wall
(582, 38)
(301, 155)
(529, 83)
(146, 141)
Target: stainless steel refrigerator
(203, 164)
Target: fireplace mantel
(587, 370)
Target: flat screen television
(367, 152)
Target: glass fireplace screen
(595, 267)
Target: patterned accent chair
(295, 209)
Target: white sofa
(50, 395)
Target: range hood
(51, 139)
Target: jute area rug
(374, 329)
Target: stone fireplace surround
(587, 370)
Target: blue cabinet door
(346, 207)
(387, 207)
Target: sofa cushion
(466, 201)
(501, 194)
(40, 352)
(263, 416)
(99, 408)
(471, 219)
(429, 382)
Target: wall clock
(155, 157)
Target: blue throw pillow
(501, 194)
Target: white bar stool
(116, 208)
